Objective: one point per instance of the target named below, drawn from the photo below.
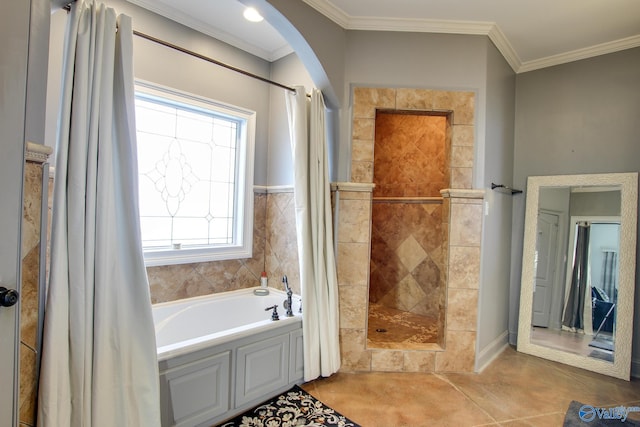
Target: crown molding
(489, 29)
(195, 24)
(585, 53)
(504, 47)
(332, 12)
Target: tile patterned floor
(515, 390)
(392, 328)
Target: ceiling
(529, 34)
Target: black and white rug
(289, 409)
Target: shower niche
(409, 232)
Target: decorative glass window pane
(195, 169)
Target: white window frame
(242, 247)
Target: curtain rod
(208, 59)
(67, 7)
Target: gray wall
(164, 66)
(580, 117)
(493, 304)
(290, 71)
(415, 60)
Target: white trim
(489, 29)
(243, 245)
(330, 11)
(492, 351)
(196, 24)
(585, 53)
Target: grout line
(448, 381)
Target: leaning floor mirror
(578, 271)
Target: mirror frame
(628, 185)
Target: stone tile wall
(462, 207)
(274, 251)
(29, 287)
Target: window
(195, 166)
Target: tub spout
(288, 304)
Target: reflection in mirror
(578, 271)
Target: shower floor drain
(381, 330)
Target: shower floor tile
(395, 329)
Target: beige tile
(464, 267)
(31, 206)
(362, 150)
(353, 355)
(405, 295)
(463, 135)
(361, 172)
(353, 264)
(443, 100)
(363, 129)
(459, 354)
(411, 253)
(355, 195)
(353, 306)
(419, 361)
(28, 385)
(366, 100)
(462, 156)
(354, 221)
(414, 99)
(462, 309)
(29, 297)
(461, 177)
(387, 361)
(466, 225)
(463, 106)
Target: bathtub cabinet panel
(262, 368)
(296, 358)
(196, 392)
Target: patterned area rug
(293, 408)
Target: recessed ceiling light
(250, 14)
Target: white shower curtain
(318, 279)
(99, 363)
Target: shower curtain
(580, 288)
(609, 279)
(99, 363)
(318, 279)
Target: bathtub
(220, 354)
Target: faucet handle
(274, 315)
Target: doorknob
(8, 297)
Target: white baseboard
(491, 351)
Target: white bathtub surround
(98, 324)
(318, 279)
(221, 354)
(190, 324)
